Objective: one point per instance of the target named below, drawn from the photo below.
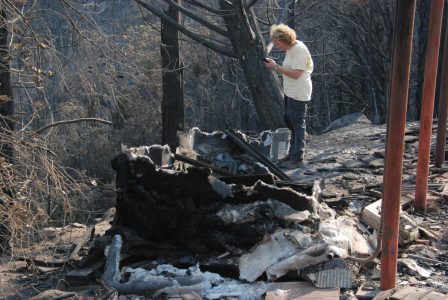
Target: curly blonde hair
(284, 33)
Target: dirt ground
(349, 162)
(20, 279)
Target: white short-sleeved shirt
(298, 57)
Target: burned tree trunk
(246, 46)
(172, 77)
(247, 42)
(6, 103)
(6, 127)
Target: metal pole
(429, 89)
(401, 65)
(443, 105)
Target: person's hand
(270, 63)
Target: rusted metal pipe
(443, 105)
(429, 90)
(401, 65)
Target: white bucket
(280, 144)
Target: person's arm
(293, 73)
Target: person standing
(297, 87)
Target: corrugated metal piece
(342, 278)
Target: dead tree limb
(40, 130)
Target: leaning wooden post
(401, 65)
(443, 106)
(429, 90)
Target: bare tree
(6, 99)
(6, 127)
(34, 185)
(172, 78)
(241, 38)
(351, 41)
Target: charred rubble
(213, 200)
(195, 210)
(191, 208)
(310, 249)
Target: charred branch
(40, 130)
(198, 163)
(200, 20)
(206, 7)
(194, 36)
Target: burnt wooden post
(429, 90)
(6, 126)
(401, 65)
(172, 78)
(6, 103)
(443, 106)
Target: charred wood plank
(197, 163)
(306, 188)
(252, 151)
(44, 263)
(248, 180)
(84, 239)
(84, 275)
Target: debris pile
(216, 219)
(262, 228)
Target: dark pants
(295, 113)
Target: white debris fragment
(222, 188)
